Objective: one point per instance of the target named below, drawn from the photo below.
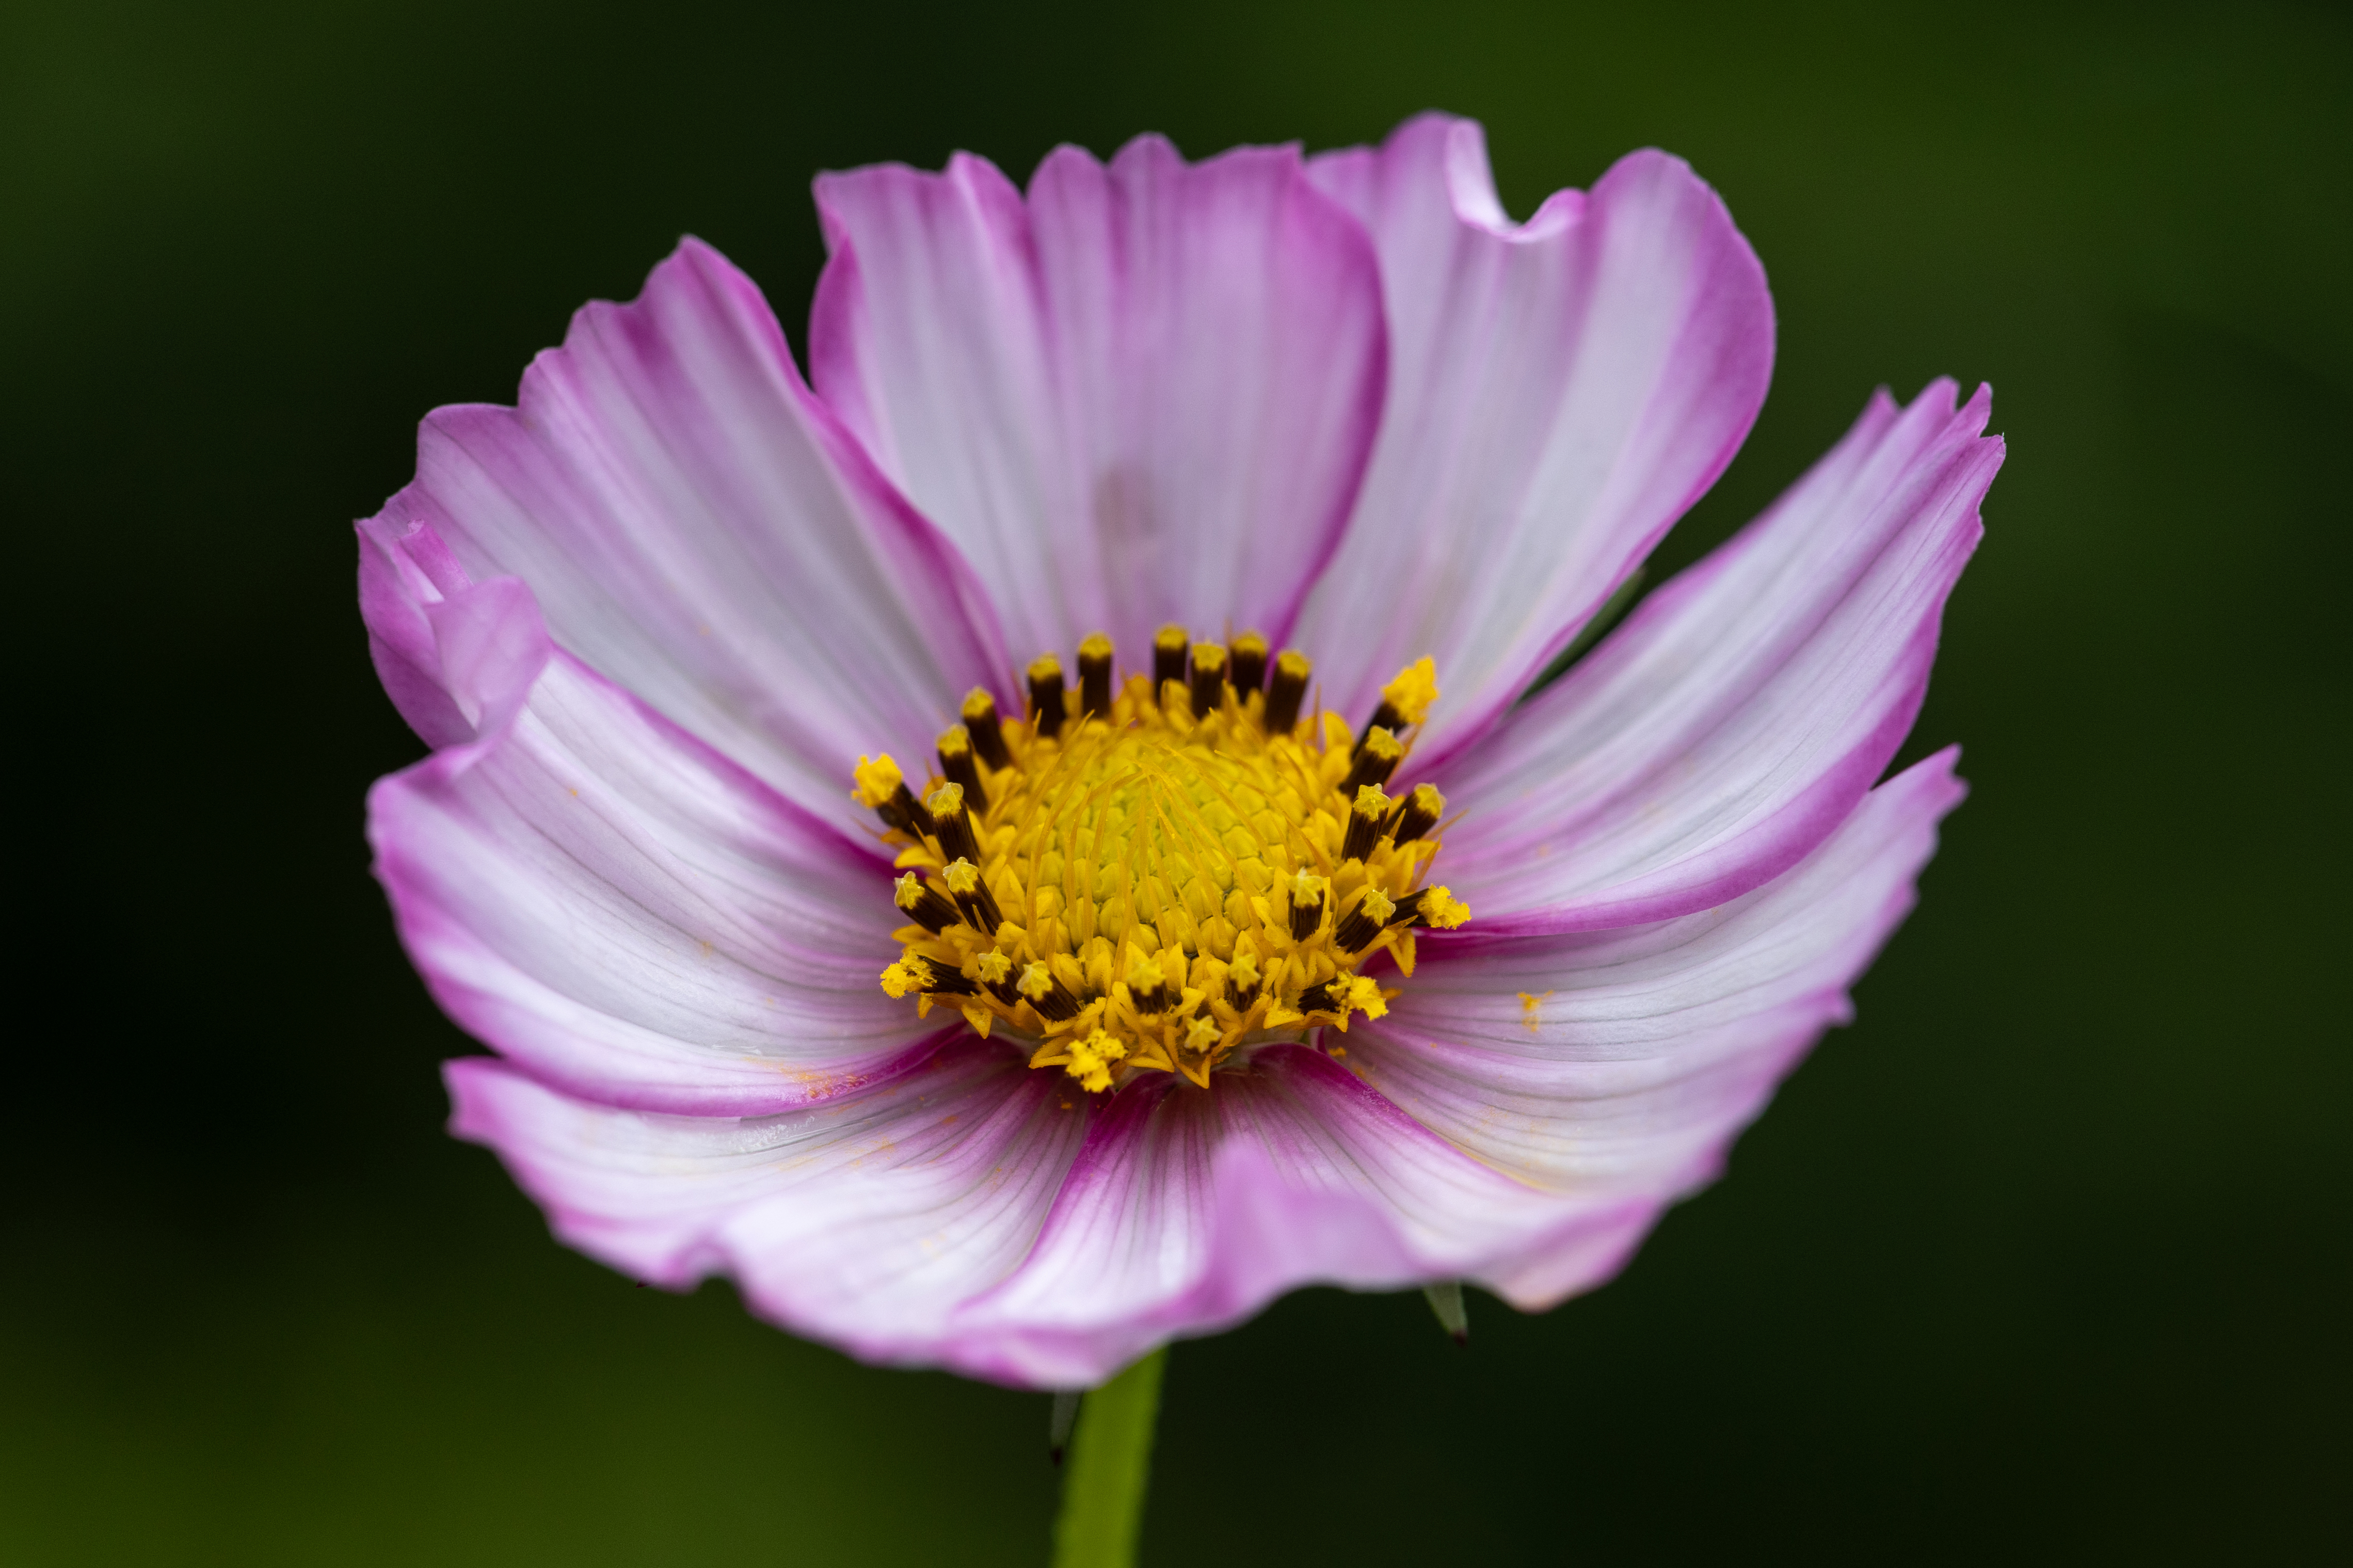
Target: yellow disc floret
(1408, 697)
(1151, 874)
(878, 779)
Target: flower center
(1150, 875)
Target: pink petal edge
(1744, 709)
(592, 891)
(1560, 393)
(1618, 1066)
(698, 527)
(1143, 395)
(862, 1221)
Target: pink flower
(655, 620)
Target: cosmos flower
(1036, 841)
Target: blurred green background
(2048, 1258)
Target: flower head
(1017, 1016)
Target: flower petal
(699, 527)
(952, 1217)
(1189, 1211)
(457, 658)
(601, 898)
(1560, 391)
(865, 1221)
(1611, 1067)
(1740, 712)
(1143, 395)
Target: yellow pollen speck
(1092, 1059)
(1441, 909)
(1159, 880)
(1529, 1014)
(878, 779)
(1413, 690)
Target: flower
(1147, 1005)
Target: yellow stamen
(1441, 909)
(1134, 880)
(1411, 693)
(878, 779)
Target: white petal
(1740, 714)
(1559, 394)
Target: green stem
(1111, 1461)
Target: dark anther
(1248, 662)
(972, 895)
(1241, 982)
(952, 824)
(1169, 647)
(1415, 911)
(906, 812)
(1306, 914)
(988, 734)
(1377, 759)
(1419, 814)
(1046, 695)
(1148, 988)
(1095, 676)
(939, 982)
(961, 766)
(925, 904)
(1385, 717)
(1365, 818)
(1208, 679)
(1283, 699)
(1050, 996)
(1367, 921)
(1320, 998)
